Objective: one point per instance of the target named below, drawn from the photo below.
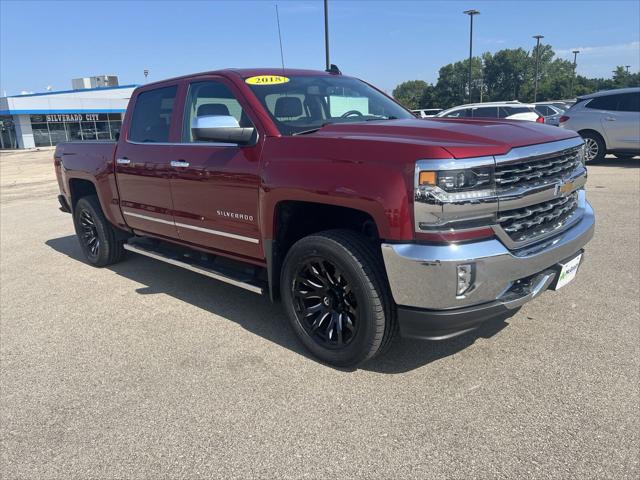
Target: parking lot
(145, 370)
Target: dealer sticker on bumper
(568, 272)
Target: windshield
(306, 103)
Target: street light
(326, 35)
(535, 88)
(575, 62)
(471, 13)
(627, 67)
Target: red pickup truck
(321, 191)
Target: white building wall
(24, 133)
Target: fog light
(464, 277)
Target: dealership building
(93, 110)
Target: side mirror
(220, 128)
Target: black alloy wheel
(325, 303)
(100, 242)
(337, 298)
(89, 234)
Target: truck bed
(90, 157)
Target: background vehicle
(609, 122)
(507, 110)
(561, 104)
(322, 191)
(551, 113)
(426, 112)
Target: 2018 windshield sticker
(266, 80)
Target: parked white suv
(426, 112)
(609, 122)
(508, 110)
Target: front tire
(335, 292)
(98, 239)
(595, 148)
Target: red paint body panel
(368, 166)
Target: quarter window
(152, 115)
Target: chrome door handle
(179, 163)
(610, 119)
(123, 161)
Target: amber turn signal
(427, 178)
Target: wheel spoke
(313, 309)
(325, 303)
(339, 327)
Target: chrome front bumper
(424, 276)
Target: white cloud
(599, 61)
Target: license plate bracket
(567, 270)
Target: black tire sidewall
(91, 205)
(360, 347)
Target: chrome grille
(537, 170)
(530, 222)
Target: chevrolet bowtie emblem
(564, 188)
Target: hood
(461, 138)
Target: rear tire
(595, 148)
(98, 239)
(336, 295)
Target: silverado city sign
(74, 117)
(70, 117)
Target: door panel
(215, 193)
(143, 163)
(144, 187)
(622, 130)
(215, 198)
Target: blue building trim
(42, 112)
(72, 91)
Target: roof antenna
(280, 38)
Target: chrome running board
(189, 264)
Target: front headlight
(458, 180)
(457, 185)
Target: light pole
(535, 88)
(326, 35)
(575, 62)
(471, 13)
(627, 67)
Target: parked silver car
(551, 113)
(609, 122)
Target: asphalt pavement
(144, 370)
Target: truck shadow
(258, 315)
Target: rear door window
(606, 102)
(544, 110)
(485, 112)
(629, 102)
(151, 118)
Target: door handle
(123, 161)
(610, 119)
(179, 163)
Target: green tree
(410, 93)
(508, 74)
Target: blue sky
(48, 43)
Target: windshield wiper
(311, 130)
(390, 117)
